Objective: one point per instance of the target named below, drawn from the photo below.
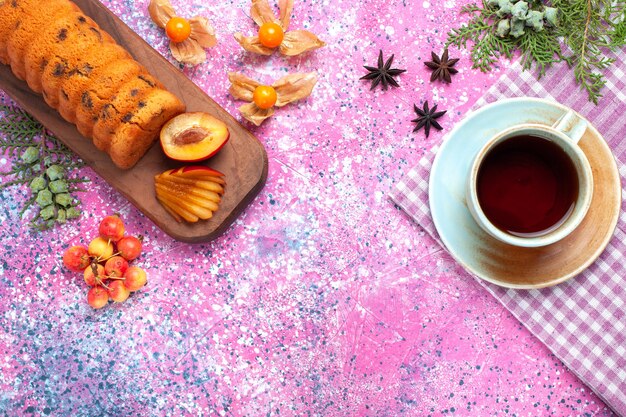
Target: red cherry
(115, 266)
(129, 247)
(100, 248)
(111, 227)
(118, 291)
(97, 297)
(135, 278)
(92, 279)
(76, 258)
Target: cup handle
(571, 125)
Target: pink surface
(323, 298)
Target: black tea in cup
(527, 185)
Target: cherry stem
(94, 268)
(100, 259)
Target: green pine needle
(41, 163)
(586, 31)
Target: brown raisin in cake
(52, 40)
(136, 135)
(10, 13)
(121, 107)
(72, 88)
(28, 28)
(102, 88)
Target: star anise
(426, 118)
(383, 73)
(443, 67)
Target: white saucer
(499, 263)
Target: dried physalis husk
(261, 12)
(161, 11)
(255, 114)
(191, 50)
(241, 86)
(253, 44)
(287, 89)
(285, 7)
(297, 42)
(293, 43)
(190, 193)
(294, 87)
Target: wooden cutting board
(243, 159)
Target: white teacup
(531, 185)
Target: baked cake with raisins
(86, 76)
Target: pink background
(323, 299)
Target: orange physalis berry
(178, 29)
(271, 34)
(264, 96)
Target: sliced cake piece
(10, 13)
(73, 87)
(65, 57)
(28, 30)
(103, 87)
(52, 41)
(128, 99)
(134, 137)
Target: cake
(27, 28)
(53, 39)
(143, 125)
(86, 76)
(10, 13)
(128, 98)
(101, 89)
(92, 74)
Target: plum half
(193, 137)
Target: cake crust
(86, 76)
(28, 28)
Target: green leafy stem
(585, 32)
(42, 163)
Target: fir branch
(618, 34)
(42, 163)
(487, 48)
(479, 25)
(539, 49)
(19, 181)
(587, 29)
(17, 128)
(27, 205)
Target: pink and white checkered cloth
(582, 321)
